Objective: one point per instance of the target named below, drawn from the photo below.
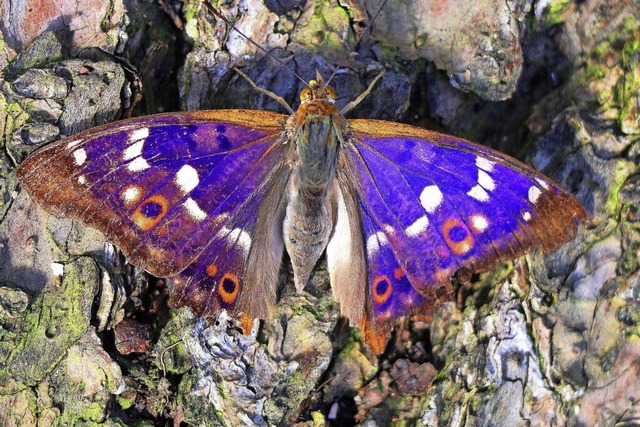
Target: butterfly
(213, 200)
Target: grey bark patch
(40, 84)
(44, 50)
(85, 381)
(243, 381)
(95, 95)
(39, 133)
(480, 51)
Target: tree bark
(549, 339)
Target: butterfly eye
(305, 94)
(331, 94)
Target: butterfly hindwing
(434, 204)
(249, 242)
(168, 190)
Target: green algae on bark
(84, 382)
(58, 318)
(324, 28)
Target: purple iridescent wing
(433, 205)
(178, 193)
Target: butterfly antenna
(350, 106)
(247, 38)
(360, 37)
(280, 100)
(371, 24)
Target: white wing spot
(526, 215)
(133, 151)
(484, 164)
(236, 236)
(187, 179)
(431, 198)
(82, 180)
(241, 237)
(418, 227)
(485, 180)
(131, 194)
(139, 134)
(74, 144)
(479, 194)
(534, 194)
(57, 268)
(543, 184)
(194, 210)
(479, 223)
(80, 156)
(138, 164)
(375, 241)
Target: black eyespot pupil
(228, 286)
(151, 209)
(457, 234)
(381, 287)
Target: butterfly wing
(247, 252)
(171, 190)
(433, 205)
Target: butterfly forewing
(159, 187)
(434, 204)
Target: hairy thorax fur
(310, 213)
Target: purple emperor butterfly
(212, 199)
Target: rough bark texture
(547, 340)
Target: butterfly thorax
(316, 130)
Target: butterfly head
(317, 90)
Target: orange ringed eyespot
(457, 236)
(228, 288)
(381, 289)
(150, 212)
